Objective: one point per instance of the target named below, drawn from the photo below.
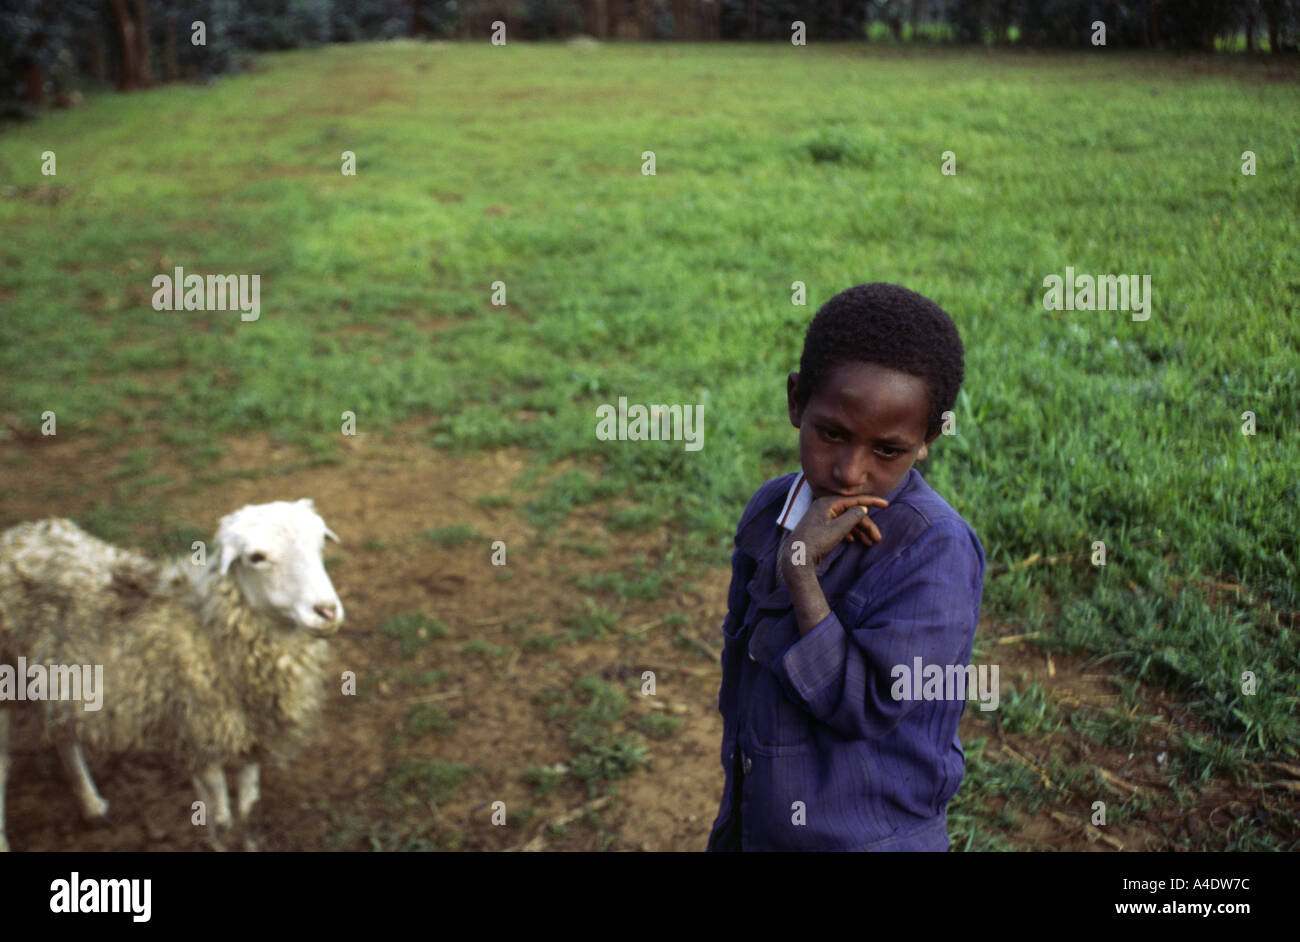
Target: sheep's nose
(328, 611)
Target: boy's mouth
(819, 492)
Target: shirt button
(749, 765)
(752, 658)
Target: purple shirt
(811, 732)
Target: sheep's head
(273, 551)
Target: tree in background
(49, 47)
(38, 44)
(1280, 17)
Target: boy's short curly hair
(894, 327)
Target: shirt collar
(799, 499)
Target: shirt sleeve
(925, 604)
(742, 569)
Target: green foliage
(834, 144)
(676, 289)
(593, 711)
(1028, 712)
(447, 537)
(426, 678)
(425, 781)
(427, 717)
(75, 42)
(593, 622)
(413, 631)
(544, 780)
(479, 646)
(607, 760)
(659, 725)
(567, 490)
(636, 517)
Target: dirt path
(379, 776)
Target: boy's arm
(810, 605)
(926, 606)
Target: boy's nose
(851, 475)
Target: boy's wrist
(794, 568)
(800, 577)
(810, 606)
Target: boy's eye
(832, 434)
(893, 452)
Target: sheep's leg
(210, 783)
(93, 805)
(249, 793)
(4, 773)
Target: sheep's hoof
(219, 836)
(250, 844)
(4, 844)
(95, 811)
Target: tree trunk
(465, 19)
(98, 56)
(130, 77)
(142, 40)
(34, 80)
(171, 70)
(1273, 11)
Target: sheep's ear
(331, 535)
(229, 553)
(308, 503)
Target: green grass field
(774, 164)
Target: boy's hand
(828, 521)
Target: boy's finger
(840, 505)
(847, 521)
(869, 532)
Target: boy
(821, 749)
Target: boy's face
(862, 430)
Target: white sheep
(217, 665)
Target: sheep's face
(273, 551)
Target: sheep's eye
(257, 557)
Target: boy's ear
(791, 398)
(925, 448)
